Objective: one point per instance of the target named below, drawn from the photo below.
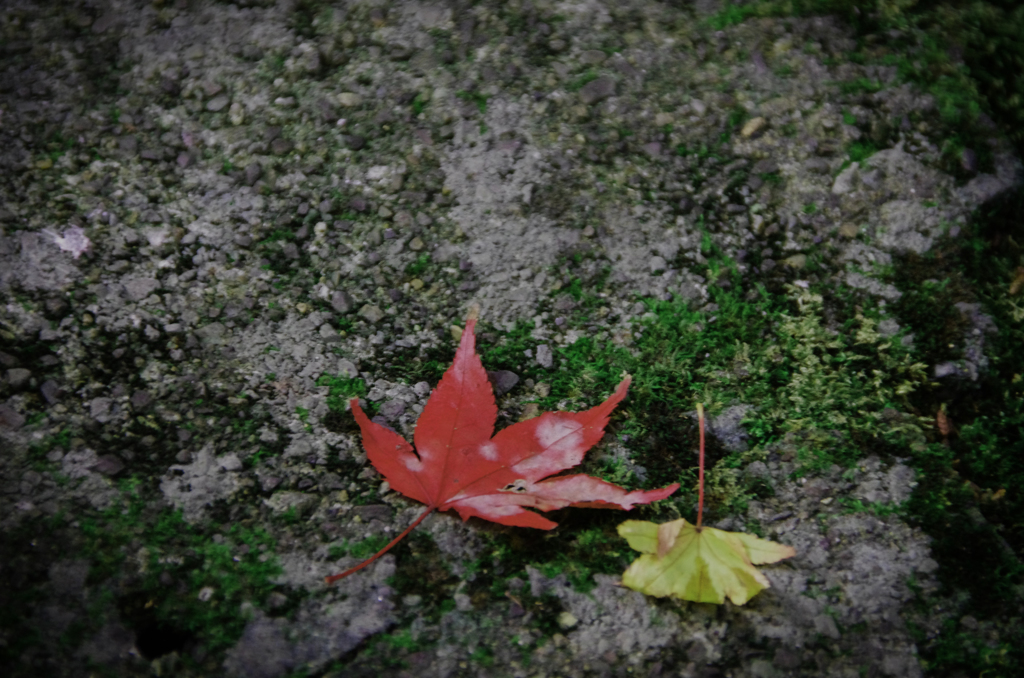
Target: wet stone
(17, 377)
(797, 261)
(51, 391)
(349, 99)
(969, 160)
(597, 90)
(753, 127)
(218, 103)
(108, 465)
(817, 165)
(281, 146)
(341, 302)
(253, 172)
(370, 512)
(392, 409)
(371, 313)
(354, 142)
(765, 166)
(140, 400)
(10, 418)
(502, 381)
(128, 146)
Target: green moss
(577, 83)
(477, 98)
(216, 575)
(365, 548)
(860, 86)
(341, 389)
(418, 266)
(861, 150)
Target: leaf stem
(333, 578)
(700, 472)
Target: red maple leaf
(458, 465)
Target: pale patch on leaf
(489, 451)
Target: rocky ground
(219, 221)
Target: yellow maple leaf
(701, 564)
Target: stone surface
(272, 210)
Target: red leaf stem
(700, 472)
(335, 577)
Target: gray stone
(872, 286)
(371, 313)
(321, 630)
(342, 302)
(253, 172)
(193, 486)
(107, 465)
(845, 181)
(99, 409)
(51, 391)
(817, 165)
(281, 146)
(369, 512)
(17, 377)
(502, 381)
(727, 427)
(888, 327)
(299, 502)
(67, 577)
(392, 409)
(653, 149)
(597, 90)
(128, 146)
(138, 289)
(354, 141)
(140, 400)
(762, 668)
(544, 357)
(105, 22)
(347, 368)
(11, 418)
(211, 334)
(907, 226)
(218, 103)
(826, 626)
(263, 651)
